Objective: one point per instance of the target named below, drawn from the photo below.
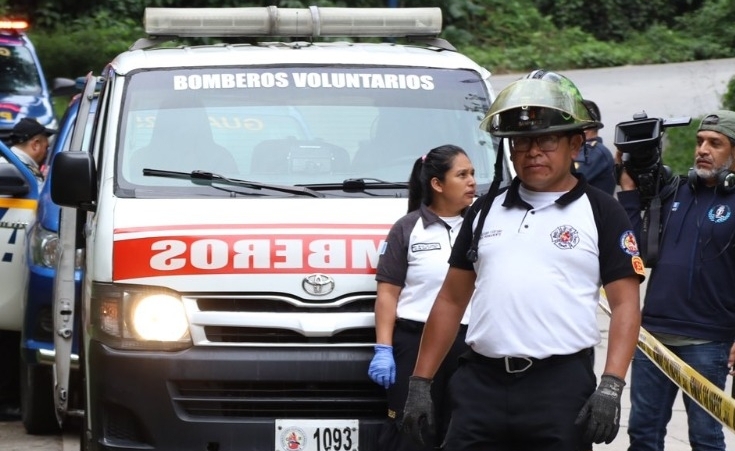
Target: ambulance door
(18, 200)
(70, 239)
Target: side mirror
(64, 87)
(74, 180)
(12, 182)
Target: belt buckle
(508, 369)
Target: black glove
(602, 411)
(418, 413)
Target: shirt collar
(24, 157)
(428, 217)
(513, 199)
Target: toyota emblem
(318, 284)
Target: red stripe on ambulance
(180, 255)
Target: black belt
(513, 365)
(417, 326)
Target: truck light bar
(10, 24)
(294, 22)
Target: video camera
(640, 142)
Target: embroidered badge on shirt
(565, 237)
(491, 234)
(420, 247)
(628, 243)
(719, 213)
(638, 265)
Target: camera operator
(690, 301)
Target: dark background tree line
(74, 37)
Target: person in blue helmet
(531, 259)
(595, 161)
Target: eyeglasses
(545, 143)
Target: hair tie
(423, 158)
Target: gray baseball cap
(721, 121)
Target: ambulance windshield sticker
(312, 80)
(453, 89)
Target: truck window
(18, 71)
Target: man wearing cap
(31, 144)
(595, 160)
(532, 258)
(690, 300)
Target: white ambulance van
(237, 196)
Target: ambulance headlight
(143, 318)
(159, 317)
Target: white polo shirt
(415, 257)
(542, 258)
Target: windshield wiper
(358, 185)
(210, 179)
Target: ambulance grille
(279, 305)
(359, 400)
(233, 334)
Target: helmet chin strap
(487, 202)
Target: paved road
(670, 90)
(673, 90)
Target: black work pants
(406, 340)
(498, 407)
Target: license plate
(317, 435)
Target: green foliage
(87, 44)
(678, 145)
(615, 20)
(728, 99)
(74, 36)
(710, 29)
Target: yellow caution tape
(715, 401)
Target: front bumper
(225, 398)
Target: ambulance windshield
(298, 126)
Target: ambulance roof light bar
(293, 22)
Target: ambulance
(235, 199)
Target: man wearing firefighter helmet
(532, 259)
